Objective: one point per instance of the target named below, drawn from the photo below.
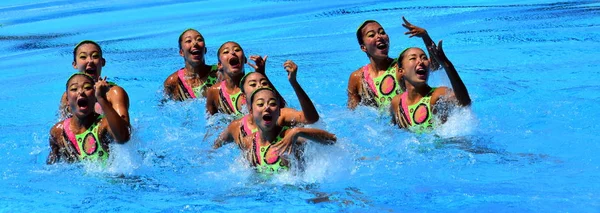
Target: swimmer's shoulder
(172, 80)
(56, 132)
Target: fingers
(251, 65)
(265, 58)
(405, 21)
(289, 65)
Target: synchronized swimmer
(267, 132)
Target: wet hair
(244, 60)
(403, 54)
(76, 74)
(85, 42)
(261, 89)
(359, 35)
(242, 81)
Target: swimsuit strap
(404, 106)
(230, 100)
(227, 96)
(245, 128)
(70, 135)
(188, 89)
(369, 80)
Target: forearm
(435, 65)
(224, 138)
(317, 135)
(459, 88)
(308, 108)
(117, 125)
(275, 89)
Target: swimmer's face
(415, 66)
(80, 95)
(265, 109)
(193, 47)
(231, 59)
(254, 81)
(89, 60)
(376, 42)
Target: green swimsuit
(266, 160)
(87, 144)
(419, 115)
(380, 91)
(228, 103)
(196, 92)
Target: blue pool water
(527, 143)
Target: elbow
(124, 137)
(466, 102)
(312, 119)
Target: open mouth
(382, 46)
(267, 117)
(195, 52)
(91, 71)
(421, 71)
(235, 62)
(82, 103)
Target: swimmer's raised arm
(421, 33)
(309, 114)
(259, 66)
(459, 90)
(118, 127)
(298, 134)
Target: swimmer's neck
(379, 65)
(201, 70)
(81, 124)
(268, 136)
(232, 82)
(416, 92)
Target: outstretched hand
(101, 88)
(291, 68)
(413, 30)
(438, 53)
(259, 63)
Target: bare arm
(294, 135)
(459, 89)
(227, 135)
(170, 87)
(54, 155)
(421, 33)
(259, 67)
(116, 112)
(309, 114)
(212, 96)
(353, 89)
